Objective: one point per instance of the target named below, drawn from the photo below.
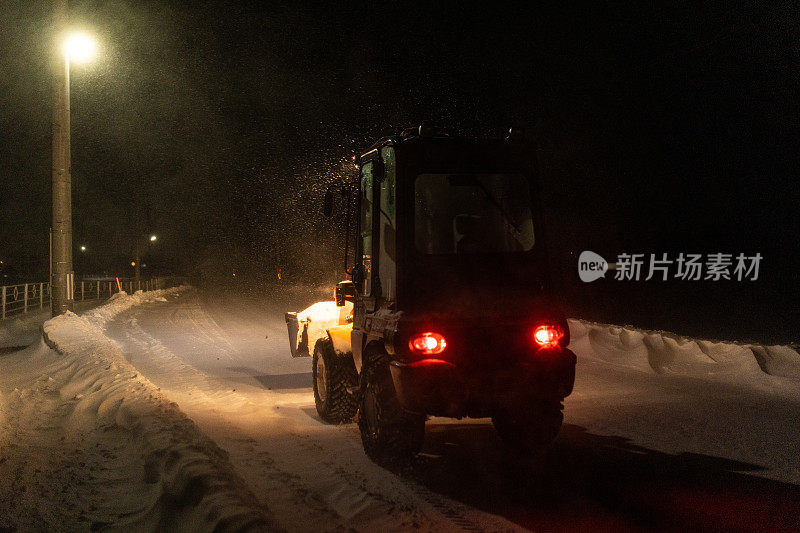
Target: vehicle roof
(430, 135)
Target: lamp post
(138, 256)
(78, 47)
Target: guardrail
(26, 297)
(18, 299)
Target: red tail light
(427, 343)
(548, 336)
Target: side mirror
(345, 290)
(327, 206)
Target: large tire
(332, 375)
(529, 428)
(389, 433)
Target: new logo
(591, 266)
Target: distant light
(83, 248)
(153, 238)
(133, 263)
(79, 47)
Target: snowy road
(210, 355)
(639, 449)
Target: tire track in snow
(207, 401)
(293, 462)
(88, 443)
(462, 516)
(208, 332)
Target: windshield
(472, 213)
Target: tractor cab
(449, 229)
(452, 312)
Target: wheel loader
(447, 309)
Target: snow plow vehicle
(447, 309)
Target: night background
(217, 125)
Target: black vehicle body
(486, 305)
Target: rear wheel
(332, 375)
(529, 428)
(389, 433)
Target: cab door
(364, 261)
(387, 228)
(375, 253)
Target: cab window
(386, 265)
(365, 247)
(472, 213)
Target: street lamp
(78, 47)
(138, 252)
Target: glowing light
(428, 343)
(548, 336)
(79, 47)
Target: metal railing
(18, 299)
(26, 297)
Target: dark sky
(216, 125)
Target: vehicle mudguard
(340, 338)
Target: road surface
(638, 450)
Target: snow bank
(668, 353)
(22, 329)
(87, 442)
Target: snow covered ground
(182, 409)
(87, 442)
(19, 331)
(676, 395)
(235, 378)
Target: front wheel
(529, 428)
(389, 433)
(331, 376)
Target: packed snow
(252, 398)
(676, 394)
(21, 330)
(667, 353)
(87, 442)
(183, 410)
